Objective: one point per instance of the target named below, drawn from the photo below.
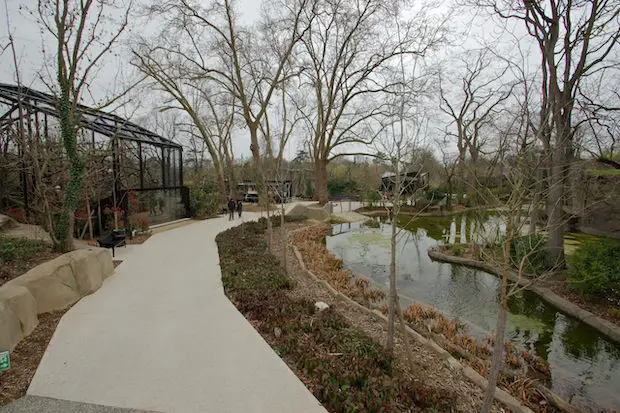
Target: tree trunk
(284, 240)
(320, 170)
(498, 357)
(269, 230)
(500, 328)
(88, 212)
(232, 178)
(221, 179)
(472, 177)
(263, 196)
(403, 331)
(392, 293)
(555, 205)
(219, 172)
(536, 196)
(73, 190)
(460, 183)
(449, 194)
(215, 155)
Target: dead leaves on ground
(318, 259)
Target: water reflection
(585, 366)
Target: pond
(584, 364)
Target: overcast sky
(112, 73)
(115, 71)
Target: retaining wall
(53, 285)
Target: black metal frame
(26, 103)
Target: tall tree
(169, 75)
(346, 48)
(214, 44)
(472, 104)
(407, 82)
(575, 39)
(83, 37)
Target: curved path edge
(160, 335)
(605, 327)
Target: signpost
(5, 360)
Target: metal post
(174, 169)
(115, 165)
(141, 165)
(163, 167)
(46, 130)
(180, 167)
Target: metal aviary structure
(120, 157)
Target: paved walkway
(346, 210)
(160, 335)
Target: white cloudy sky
(115, 71)
(112, 74)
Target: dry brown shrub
(326, 266)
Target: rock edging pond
(500, 395)
(603, 326)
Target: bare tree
(238, 61)
(514, 220)
(277, 128)
(575, 40)
(170, 76)
(346, 48)
(515, 249)
(472, 106)
(408, 83)
(601, 117)
(82, 42)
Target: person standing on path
(239, 207)
(231, 209)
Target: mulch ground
(13, 269)
(341, 364)
(429, 368)
(25, 358)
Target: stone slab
(10, 327)
(52, 284)
(22, 302)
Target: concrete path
(346, 210)
(160, 335)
